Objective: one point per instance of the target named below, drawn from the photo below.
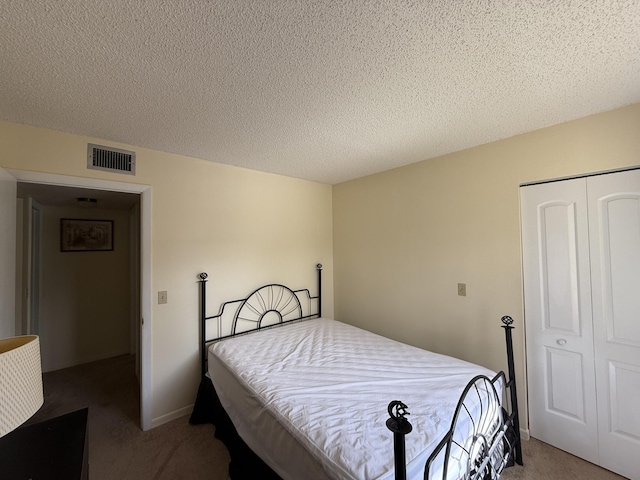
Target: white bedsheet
(328, 385)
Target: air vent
(111, 159)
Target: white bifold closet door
(581, 255)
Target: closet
(581, 260)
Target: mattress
(311, 398)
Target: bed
(295, 395)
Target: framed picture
(77, 235)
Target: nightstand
(53, 449)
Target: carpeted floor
(542, 461)
(119, 449)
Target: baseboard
(524, 434)
(162, 419)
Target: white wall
(85, 296)
(245, 228)
(403, 239)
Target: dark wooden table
(50, 450)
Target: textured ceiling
(321, 90)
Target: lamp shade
(20, 381)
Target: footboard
(484, 436)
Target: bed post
(400, 427)
(319, 269)
(511, 384)
(203, 321)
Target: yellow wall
(245, 228)
(403, 239)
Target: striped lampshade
(20, 381)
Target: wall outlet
(162, 297)
(462, 289)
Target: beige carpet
(119, 450)
(542, 461)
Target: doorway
(143, 291)
(82, 299)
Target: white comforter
(329, 385)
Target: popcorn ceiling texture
(321, 90)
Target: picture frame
(86, 235)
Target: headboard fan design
(268, 305)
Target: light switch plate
(162, 297)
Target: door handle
(562, 341)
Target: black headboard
(267, 306)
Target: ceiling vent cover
(111, 159)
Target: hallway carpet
(120, 450)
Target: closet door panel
(559, 267)
(560, 363)
(565, 389)
(624, 392)
(620, 254)
(614, 224)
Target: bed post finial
(400, 427)
(203, 276)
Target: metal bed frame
(495, 437)
(494, 443)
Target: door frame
(145, 265)
(8, 218)
(30, 287)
